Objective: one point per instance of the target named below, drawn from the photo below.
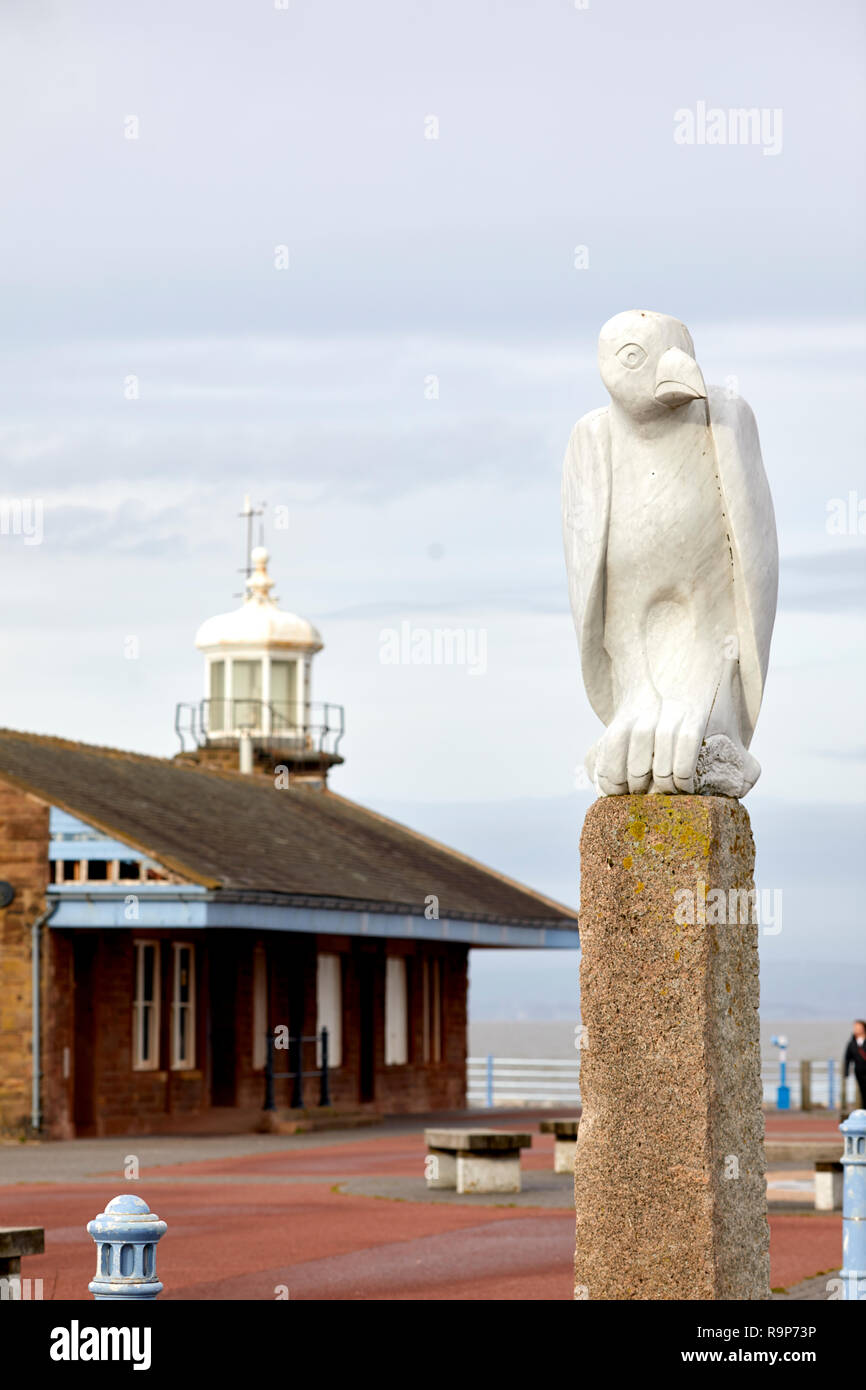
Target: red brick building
(161, 920)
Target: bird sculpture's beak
(678, 379)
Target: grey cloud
(127, 529)
(307, 128)
(831, 582)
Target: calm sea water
(815, 1039)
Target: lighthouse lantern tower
(257, 710)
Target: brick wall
(101, 1093)
(58, 1033)
(105, 1093)
(416, 1087)
(24, 864)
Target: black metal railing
(296, 1073)
(311, 728)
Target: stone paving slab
(102, 1180)
(73, 1160)
(810, 1290)
(545, 1189)
(76, 1159)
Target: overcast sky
(406, 386)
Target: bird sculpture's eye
(632, 355)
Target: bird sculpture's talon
(640, 751)
(623, 757)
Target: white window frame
(216, 725)
(329, 1006)
(260, 1006)
(396, 1012)
(139, 1004)
(261, 699)
(179, 1063)
(295, 718)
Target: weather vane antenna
(248, 514)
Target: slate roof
(241, 834)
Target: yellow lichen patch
(637, 817)
(674, 828)
(638, 888)
(676, 955)
(627, 862)
(694, 841)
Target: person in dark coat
(855, 1056)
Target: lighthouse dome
(258, 622)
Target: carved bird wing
(752, 536)
(585, 513)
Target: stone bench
(828, 1186)
(474, 1160)
(16, 1241)
(564, 1133)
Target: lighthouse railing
(312, 727)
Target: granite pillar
(670, 1192)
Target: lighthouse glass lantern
(258, 663)
(256, 712)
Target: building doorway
(84, 1079)
(367, 1019)
(222, 994)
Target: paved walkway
(802, 1124)
(338, 1215)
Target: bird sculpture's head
(647, 363)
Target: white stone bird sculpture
(672, 558)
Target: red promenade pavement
(798, 1124)
(240, 1227)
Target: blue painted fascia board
(164, 905)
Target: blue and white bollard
(783, 1091)
(854, 1207)
(490, 1081)
(126, 1234)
